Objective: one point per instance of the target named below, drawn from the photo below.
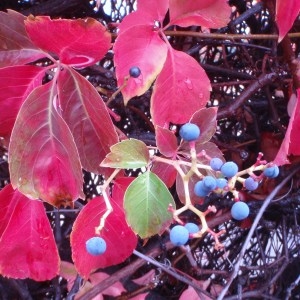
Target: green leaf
(146, 205)
(128, 154)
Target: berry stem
(109, 208)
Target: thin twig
(251, 232)
(248, 92)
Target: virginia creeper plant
(55, 124)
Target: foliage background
(252, 81)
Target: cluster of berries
(225, 172)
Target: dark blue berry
(250, 184)
(216, 163)
(229, 169)
(135, 72)
(192, 227)
(179, 235)
(209, 183)
(189, 132)
(221, 183)
(271, 172)
(95, 245)
(240, 210)
(200, 190)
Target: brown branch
(229, 36)
(262, 81)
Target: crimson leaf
(27, 245)
(79, 43)
(119, 238)
(15, 46)
(180, 89)
(87, 117)
(52, 172)
(209, 13)
(15, 85)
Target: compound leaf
(146, 205)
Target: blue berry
(240, 210)
(221, 183)
(192, 227)
(209, 183)
(271, 172)
(179, 235)
(250, 184)
(216, 163)
(189, 132)
(229, 169)
(200, 190)
(135, 72)
(95, 245)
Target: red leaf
(210, 13)
(15, 46)
(15, 85)
(290, 143)
(79, 43)
(27, 245)
(157, 9)
(88, 119)
(52, 172)
(148, 13)
(119, 237)
(180, 89)
(206, 119)
(167, 173)
(166, 141)
(286, 13)
(147, 51)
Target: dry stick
(225, 36)
(251, 89)
(251, 232)
(133, 266)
